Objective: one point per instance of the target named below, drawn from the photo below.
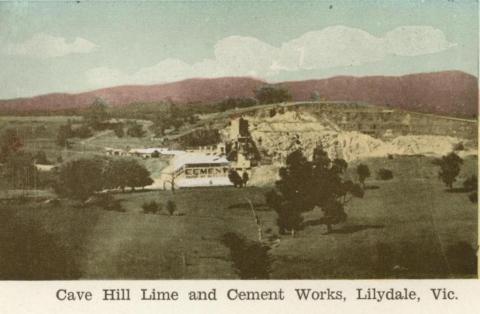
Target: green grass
(408, 223)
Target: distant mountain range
(450, 92)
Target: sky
(75, 46)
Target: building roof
(196, 158)
(149, 150)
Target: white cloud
(335, 46)
(43, 45)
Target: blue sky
(70, 47)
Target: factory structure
(203, 166)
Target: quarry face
(352, 134)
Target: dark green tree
(79, 179)
(135, 130)
(363, 173)
(138, 176)
(305, 184)
(449, 168)
(64, 133)
(171, 207)
(41, 158)
(249, 258)
(119, 132)
(96, 114)
(20, 171)
(245, 178)
(122, 172)
(271, 94)
(235, 178)
(83, 132)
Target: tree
(235, 178)
(449, 168)
(83, 132)
(119, 130)
(270, 94)
(20, 170)
(96, 114)
(151, 207)
(245, 178)
(79, 179)
(304, 185)
(250, 258)
(384, 174)
(363, 172)
(10, 143)
(122, 173)
(41, 158)
(64, 133)
(135, 130)
(138, 176)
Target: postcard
(231, 156)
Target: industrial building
(196, 170)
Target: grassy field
(405, 227)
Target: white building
(196, 170)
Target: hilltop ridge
(451, 93)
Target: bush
(459, 146)
(151, 207)
(41, 158)
(384, 174)
(135, 130)
(171, 207)
(106, 201)
(83, 132)
(250, 258)
(119, 131)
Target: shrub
(459, 146)
(119, 132)
(135, 130)
(151, 207)
(106, 201)
(83, 132)
(171, 207)
(363, 173)
(41, 158)
(250, 258)
(384, 174)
